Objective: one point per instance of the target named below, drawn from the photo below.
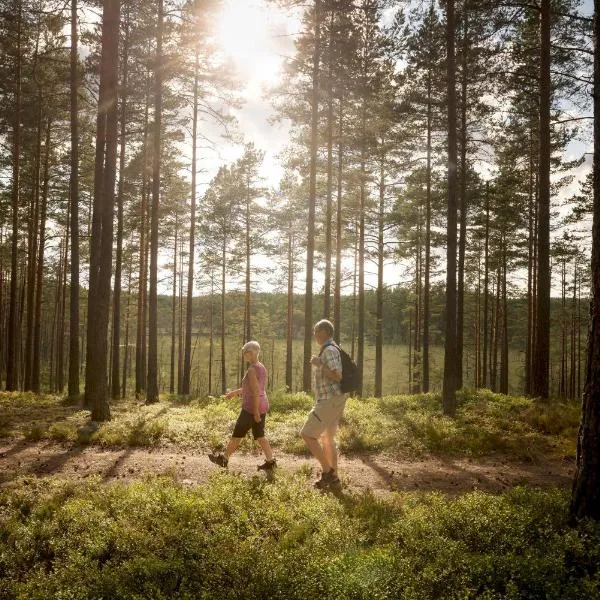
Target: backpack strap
(328, 344)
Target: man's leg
(317, 451)
(329, 446)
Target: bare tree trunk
(32, 246)
(289, 338)
(126, 350)
(12, 363)
(310, 246)
(152, 386)
(74, 201)
(486, 268)
(35, 376)
(102, 228)
(223, 270)
(504, 370)
(426, 286)
(541, 357)
(380, 250)
(116, 324)
(187, 360)
(140, 347)
(337, 293)
(450, 345)
(360, 355)
(173, 312)
(460, 309)
(328, 210)
(585, 499)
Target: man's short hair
(324, 325)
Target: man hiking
(321, 425)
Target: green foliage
(238, 538)
(485, 424)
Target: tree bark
(152, 385)
(337, 293)
(486, 270)
(116, 323)
(35, 375)
(73, 388)
(450, 345)
(187, 359)
(12, 376)
(541, 357)
(96, 391)
(312, 195)
(380, 249)
(585, 499)
(328, 210)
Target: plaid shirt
(325, 388)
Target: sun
(243, 34)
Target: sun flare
(244, 36)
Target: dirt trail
(359, 472)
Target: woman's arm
(253, 381)
(234, 393)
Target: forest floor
(360, 472)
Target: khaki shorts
(324, 416)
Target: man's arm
(330, 367)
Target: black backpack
(349, 383)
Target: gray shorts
(325, 416)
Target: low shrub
(239, 538)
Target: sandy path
(359, 472)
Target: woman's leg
(263, 442)
(233, 445)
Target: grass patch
(238, 538)
(485, 424)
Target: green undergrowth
(485, 424)
(249, 539)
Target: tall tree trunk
(60, 379)
(73, 389)
(187, 359)
(360, 354)
(504, 370)
(248, 306)
(289, 337)
(460, 299)
(32, 250)
(541, 358)
(337, 292)
(12, 376)
(116, 324)
(426, 285)
(140, 346)
(380, 249)
(35, 375)
(585, 499)
(328, 210)
(102, 227)
(152, 386)
(530, 270)
(450, 345)
(312, 198)
(126, 349)
(486, 271)
(223, 283)
(173, 312)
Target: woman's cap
(251, 346)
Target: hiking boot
(268, 465)
(327, 480)
(218, 459)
